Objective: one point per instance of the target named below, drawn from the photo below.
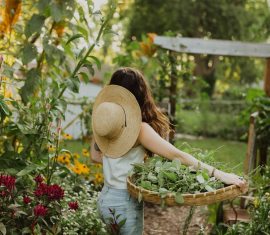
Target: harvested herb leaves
(163, 176)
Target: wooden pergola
(225, 48)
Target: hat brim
(117, 147)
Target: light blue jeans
(125, 207)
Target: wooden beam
(213, 46)
(267, 77)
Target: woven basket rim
(185, 195)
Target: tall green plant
(42, 61)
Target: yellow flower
(76, 155)
(85, 152)
(51, 148)
(85, 169)
(64, 158)
(256, 202)
(67, 136)
(98, 178)
(98, 165)
(76, 170)
(8, 93)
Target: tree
(246, 20)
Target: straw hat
(116, 120)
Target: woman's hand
(229, 178)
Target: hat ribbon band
(125, 115)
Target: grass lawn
(230, 152)
(75, 146)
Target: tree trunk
(205, 67)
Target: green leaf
(73, 84)
(209, 188)
(179, 198)
(109, 31)
(205, 175)
(122, 222)
(146, 184)
(57, 11)
(30, 85)
(27, 170)
(98, 63)
(170, 175)
(26, 230)
(176, 164)
(160, 179)
(90, 68)
(74, 37)
(200, 179)
(152, 177)
(85, 77)
(163, 191)
(4, 109)
(34, 25)
(65, 151)
(29, 53)
(3, 229)
(81, 53)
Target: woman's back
(116, 169)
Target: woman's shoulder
(145, 125)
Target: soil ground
(170, 221)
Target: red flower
(7, 181)
(26, 200)
(39, 179)
(40, 210)
(41, 190)
(73, 205)
(55, 192)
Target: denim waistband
(115, 191)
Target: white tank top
(116, 170)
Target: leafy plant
(164, 176)
(80, 215)
(40, 67)
(31, 208)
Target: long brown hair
(134, 81)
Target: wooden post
(267, 77)
(250, 160)
(264, 147)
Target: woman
(127, 124)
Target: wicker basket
(197, 199)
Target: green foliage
(258, 102)
(43, 65)
(244, 20)
(41, 61)
(224, 19)
(165, 177)
(226, 155)
(85, 220)
(259, 207)
(197, 116)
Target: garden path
(170, 221)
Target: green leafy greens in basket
(163, 176)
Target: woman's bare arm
(96, 156)
(153, 142)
